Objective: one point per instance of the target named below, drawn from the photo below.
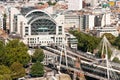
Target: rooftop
(25, 10)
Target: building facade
(74, 4)
(109, 29)
(82, 22)
(38, 28)
(1, 21)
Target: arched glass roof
(41, 23)
(43, 27)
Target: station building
(37, 27)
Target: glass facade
(41, 23)
(43, 27)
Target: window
(26, 33)
(60, 30)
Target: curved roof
(38, 14)
(36, 10)
(31, 21)
(41, 22)
(42, 26)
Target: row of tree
(89, 43)
(86, 43)
(14, 57)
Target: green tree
(1, 77)
(41, 3)
(110, 37)
(50, 3)
(17, 70)
(16, 51)
(116, 60)
(37, 70)
(117, 42)
(2, 51)
(38, 55)
(86, 42)
(5, 73)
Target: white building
(20, 22)
(33, 1)
(12, 13)
(87, 1)
(72, 20)
(72, 41)
(94, 3)
(38, 28)
(74, 4)
(87, 21)
(106, 19)
(82, 22)
(1, 21)
(104, 30)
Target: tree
(17, 70)
(37, 70)
(41, 3)
(2, 51)
(50, 3)
(117, 42)
(16, 51)
(110, 37)
(86, 42)
(116, 60)
(1, 77)
(38, 55)
(5, 73)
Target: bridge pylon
(63, 54)
(105, 50)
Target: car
(22, 78)
(28, 76)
